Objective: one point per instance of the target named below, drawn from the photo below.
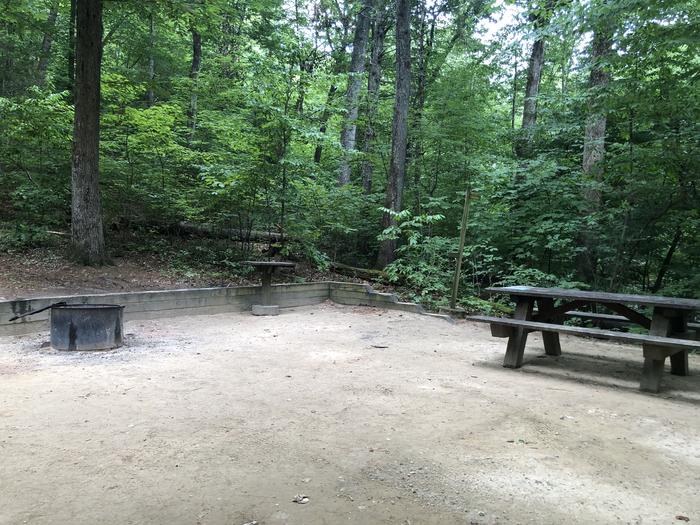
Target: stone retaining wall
(200, 301)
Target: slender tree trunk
(352, 95)
(318, 151)
(150, 96)
(524, 143)
(339, 53)
(380, 27)
(194, 75)
(515, 95)
(306, 70)
(594, 143)
(46, 44)
(86, 219)
(399, 132)
(666, 264)
(71, 46)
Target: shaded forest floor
(186, 264)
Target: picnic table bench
(598, 319)
(669, 328)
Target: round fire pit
(86, 326)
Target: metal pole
(462, 237)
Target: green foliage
(35, 132)
(272, 78)
(425, 263)
(19, 237)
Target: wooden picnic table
(668, 333)
(266, 269)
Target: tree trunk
(515, 94)
(71, 46)
(150, 96)
(380, 27)
(46, 44)
(666, 264)
(338, 53)
(324, 121)
(86, 219)
(524, 143)
(352, 96)
(532, 87)
(594, 143)
(594, 139)
(425, 46)
(399, 131)
(194, 75)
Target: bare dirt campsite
(375, 416)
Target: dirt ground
(44, 272)
(377, 417)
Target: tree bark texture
(515, 94)
(532, 86)
(380, 27)
(86, 219)
(399, 132)
(318, 151)
(338, 54)
(46, 44)
(666, 263)
(540, 20)
(352, 95)
(194, 75)
(150, 96)
(426, 35)
(594, 139)
(594, 143)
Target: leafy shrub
(21, 237)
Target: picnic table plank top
(679, 303)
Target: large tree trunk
(194, 75)
(594, 139)
(46, 44)
(380, 27)
(352, 96)
(540, 20)
(86, 219)
(532, 86)
(150, 96)
(399, 131)
(594, 143)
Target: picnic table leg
(266, 282)
(679, 363)
(679, 360)
(518, 337)
(551, 339)
(651, 374)
(654, 356)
